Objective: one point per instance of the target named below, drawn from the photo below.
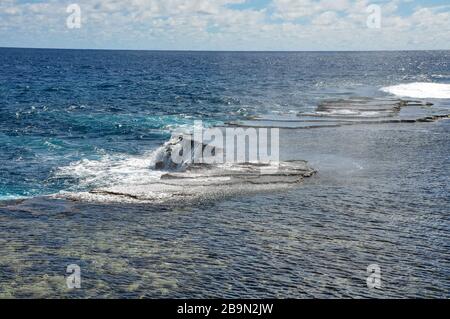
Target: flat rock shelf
(203, 181)
(358, 110)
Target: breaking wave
(110, 170)
(420, 90)
(131, 170)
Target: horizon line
(199, 50)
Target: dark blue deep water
(381, 195)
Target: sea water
(75, 120)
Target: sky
(267, 25)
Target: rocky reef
(357, 110)
(202, 181)
(189, 179)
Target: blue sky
(228, 24)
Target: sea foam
(110, 170)
(420, 90)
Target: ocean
(74, 121)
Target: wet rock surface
(358, 110)
(202, 181)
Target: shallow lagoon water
(380, 195)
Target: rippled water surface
(381, 194)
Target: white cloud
(213, 24)
(326, 18)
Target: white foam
(344, 112)
(420, 90)
(338, 112)
(126, 171)
(12, 197)
(111, 170)
(349, 112)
